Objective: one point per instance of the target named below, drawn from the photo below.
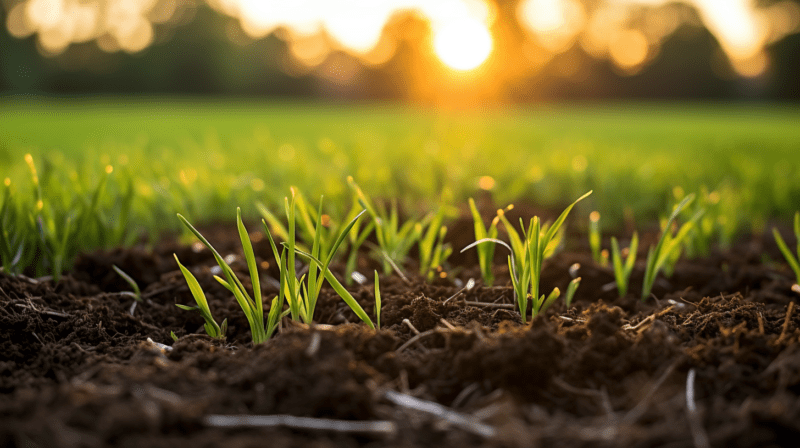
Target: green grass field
(204, 158)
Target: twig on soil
(416, 338)
(458, 419)
(699, 435)
(376, 428)
(786, 321)
(648, 319)
(411, 326)
(424, 334)
(447, 324)
(37, 338)
(32, 281)
(44, 311)
(505, 306)
(470, 284)
(760, 324)
(121, 294)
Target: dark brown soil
(78, 368)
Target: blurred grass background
(205, 157)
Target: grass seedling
(668, 248)
(357, 235)
(485, 251)
(212, 329)
(532, 250)
(252, 307)
(571, 289)
(622, 271)
(599, 255)
(787, 253)
(394, 239)
(305, 219)
(432, 249)
(137, 293)
(320, 270)
(302, 294)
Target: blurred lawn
(202, 158)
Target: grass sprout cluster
(527, 252)
(300, 294)
(667, 251)
(661, 258)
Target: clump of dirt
(712, 360)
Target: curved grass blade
(128, 279)
(211, 326)
(341, 291)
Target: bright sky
(461, 29)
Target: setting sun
(463, 45)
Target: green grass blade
(787, 254)
(619, 270)
(277, 227)
(224, 283)
(341, 291)
(273, 318)
(797, 231)
(272, 243)
(341, 237)
(571, 289)
(654, 255)
(595, 239)
(545, 304)
(339, 240)
(520, 297)
(513, 236)
(254, 318)
(128, 279)
(200, 298)
(557, 224)
(377, 301)
(649, 274)
(535, 254)
(485, 253)
(632, 252)
(250, 257)
(313, 278)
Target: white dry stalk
(377, 427)
(699, 436)
(463, 421)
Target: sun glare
(463, 45)
(630, 33)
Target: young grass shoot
(787, 253)
(622, 270)
(668, 249)
(525, 262)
